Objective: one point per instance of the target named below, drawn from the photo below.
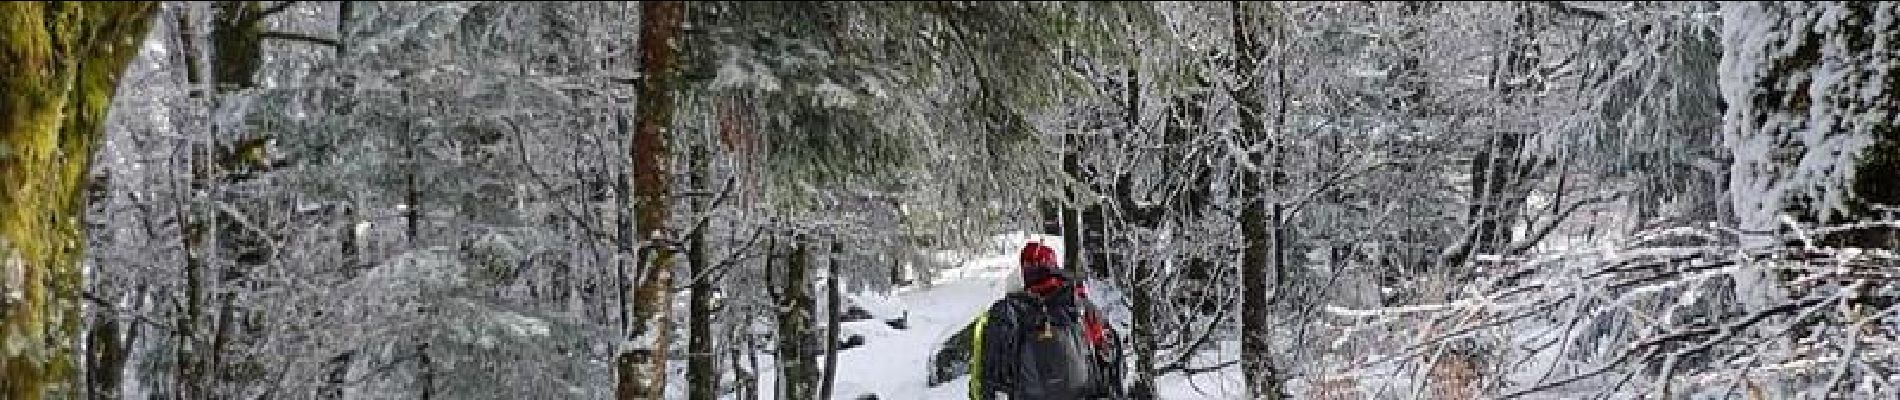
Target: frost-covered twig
(1605, 288)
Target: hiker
(1045, 342)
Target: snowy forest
(734, 200)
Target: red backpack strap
(1093, 330)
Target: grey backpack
(1057, 360)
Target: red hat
(1036, 254)
(1038, 262)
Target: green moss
(73, 54)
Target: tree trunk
(796, 367)
(343, 11)
(1072, 242)
(641, 364)
(1256, 259)
(1070, 214)
(1093, 249)
(702, 371)
(1493, 177)
(1260, 227)
(831, 318)
(236, 57)
(64, 61)
(743, 384)
(188, 349)
(897, 268)
(426, 378)
(1141, 329)
(412, 195)
(1134, 276)
(749, 378)
(105, 358)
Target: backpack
(1057, 361)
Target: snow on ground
(894, 363)
(1224, 383)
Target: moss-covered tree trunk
(63, 61)
(641, 364)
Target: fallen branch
(298, 37)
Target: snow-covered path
(893, 363)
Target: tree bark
(343, 11)
(1141, 326)
(105, 358)
(743, 383)
(1072, 240)
(188, 349)
(702, 371)
(796, 367)
(1261, 233)
(641, 364)
(236, 56)
(1069, 214)
(412, 194)
(64, 61)
(831, 318)
(425, 379)
(748, 377)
